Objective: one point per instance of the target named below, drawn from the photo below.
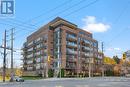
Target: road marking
(59, 86)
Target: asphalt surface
(73, 82)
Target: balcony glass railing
(30, 43)
(30, 49)
(29, 62)
(71, 66)
(29, 68)
(29, 56)
(86, 41)
(71, 51)
(71, 59)
(71, 36)
(72, 44)
(86, 48)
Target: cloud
(92, 25)
(118, 49)
(114, 49)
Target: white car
(18, 79)
(127, 75)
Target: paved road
(73, 82)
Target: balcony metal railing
(71, 67)
(69, 51)
(71, 38)
(71, 59)
(71, 45)
(29, 56)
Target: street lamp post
(89, 68)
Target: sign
(124, 56)
(6, 8)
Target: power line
(116, 20)
(24, 28)
(82, 7)
(64, 10)
(79, 8)
(18, 21)
(117, 36)
(58, 12)
(74, 6)
(51, 10)
(122, 12)
(23, 23)
(18, 31)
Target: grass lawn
(31, 78)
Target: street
(73, 82)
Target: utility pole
(102, 45)
(4, 60)
(12, 38)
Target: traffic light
(124, 56)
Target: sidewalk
(3, 83)
(53, 79)
(7, 83)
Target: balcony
(71, 39)
(30, 44)
(71, 59)
(29, 68)
(24, 45)
(23, 53)
(84, 49)
(85, 60)
(38, 41)
(29, 62)
(30, 56)
(25, 63)
(71, 67)
(85, 43)
(71, 45)
(84, 55)
(71, 51)
(24, 48)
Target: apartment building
(59, 44)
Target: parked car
(127, 75)
(18, 79)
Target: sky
(107, 20)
